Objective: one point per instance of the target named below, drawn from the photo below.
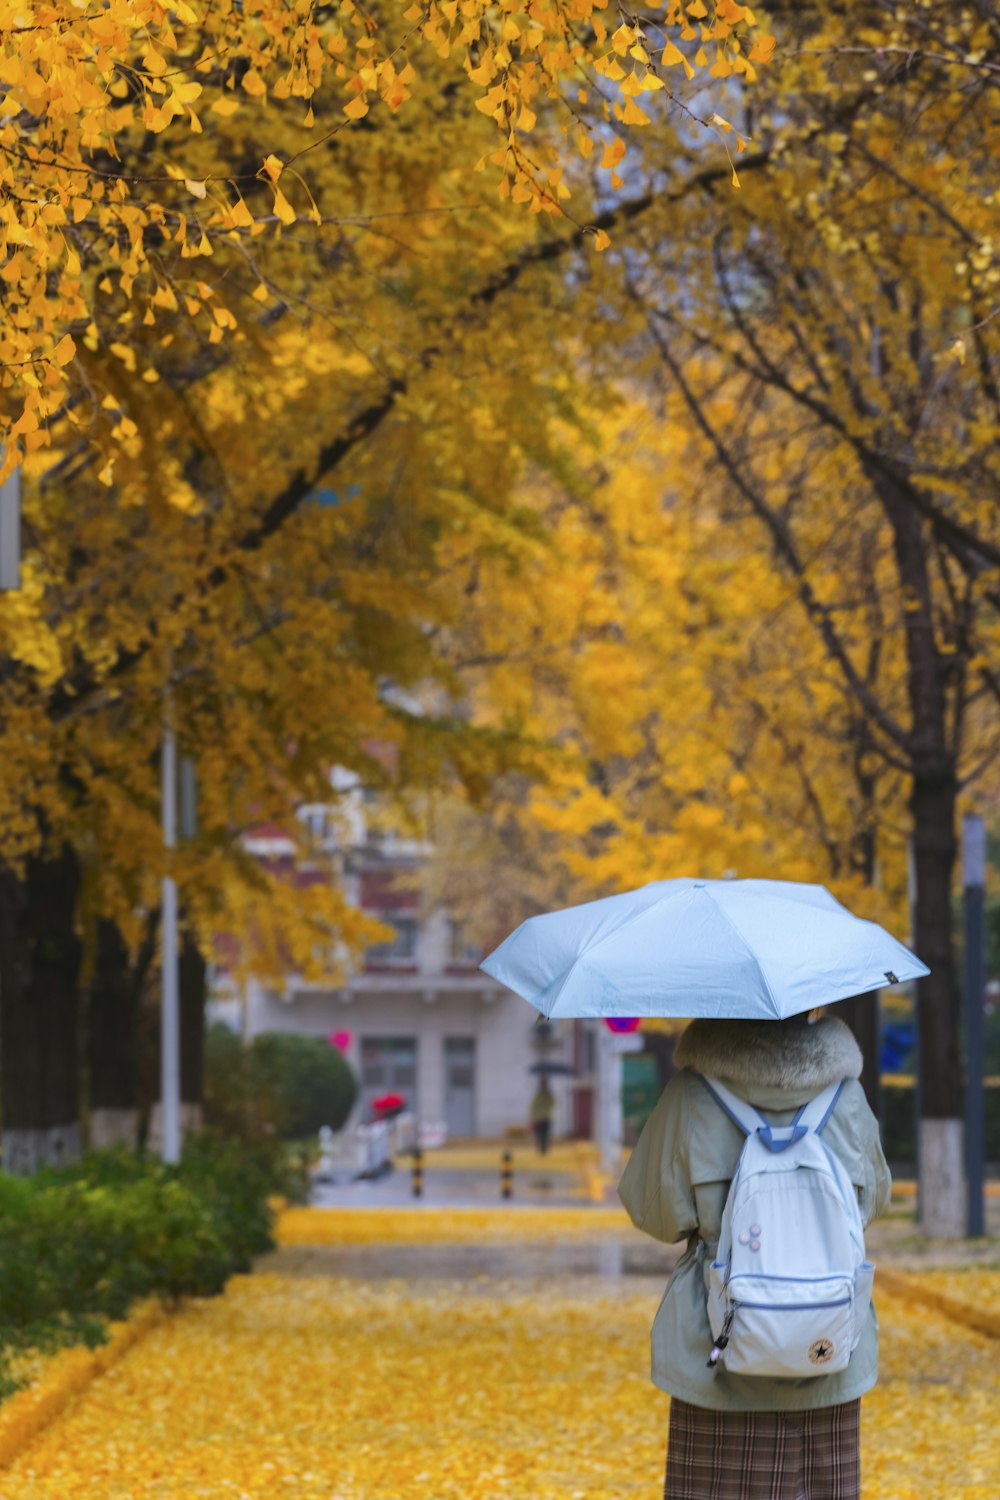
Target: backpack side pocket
(864, 1278)
(718, 1299)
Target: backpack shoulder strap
(811, 1117)
(815, 1114)
(739, 1111)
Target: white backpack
(789, 1289)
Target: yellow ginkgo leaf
(283, 208)
(633, 115)
(674, 57)
(64, 350)
(239, 215)
(762, 49)
(154, 62)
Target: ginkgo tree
(281, 385)
(286, 619)
(84, 223)
(832, 334)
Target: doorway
(460, 1086)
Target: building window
(401, 948)
(461, 950)
(319, 821)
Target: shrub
(79, 1245)
(282, 1084)
(310, 1081)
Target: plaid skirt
(764, 1455)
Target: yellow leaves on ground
(969, 1295)
(977, 1287)
(421, 1387)
(323, 1387)
(455, 1226)
(54, 1382)
(928, 1426)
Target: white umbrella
(722, 948)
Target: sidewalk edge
(65, 1377)
(980, 1320)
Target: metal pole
(911, 870)
(10, 531)
(602, 1119)
(609, 1101)
(170, 1047)
(974, 881)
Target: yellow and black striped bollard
(417, 1178)
(506, 1175)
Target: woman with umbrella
(748, 959)
(749, 1436)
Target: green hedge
(281, 1084)
(78, 1246)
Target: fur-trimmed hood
(759, 1058)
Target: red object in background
(340, 1039)
(389, 1104)
(622, 1023)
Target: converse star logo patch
(821, 1352)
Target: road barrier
(506, 1175)
(417, 1173)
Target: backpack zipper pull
(723, 1339)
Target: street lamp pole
(609, 1131)
(10, 531)
(170, 1047)
(974, 882)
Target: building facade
(418, 1018)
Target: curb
(978, 1319)
(65, 1376)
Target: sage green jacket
(676, 1182)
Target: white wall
(500, 1023)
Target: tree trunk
(39, 1013)
(862, 1015)
(933, 796)
(861, 1012)
(192, 996)
(113, 1041)
(940, 1137)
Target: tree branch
(787, 552)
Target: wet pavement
(567, 1262)
(444, 1187)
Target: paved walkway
(507, 1361)
(473, 1175)
(443, 1187)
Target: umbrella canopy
(721, 948)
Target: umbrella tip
(891, 976)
